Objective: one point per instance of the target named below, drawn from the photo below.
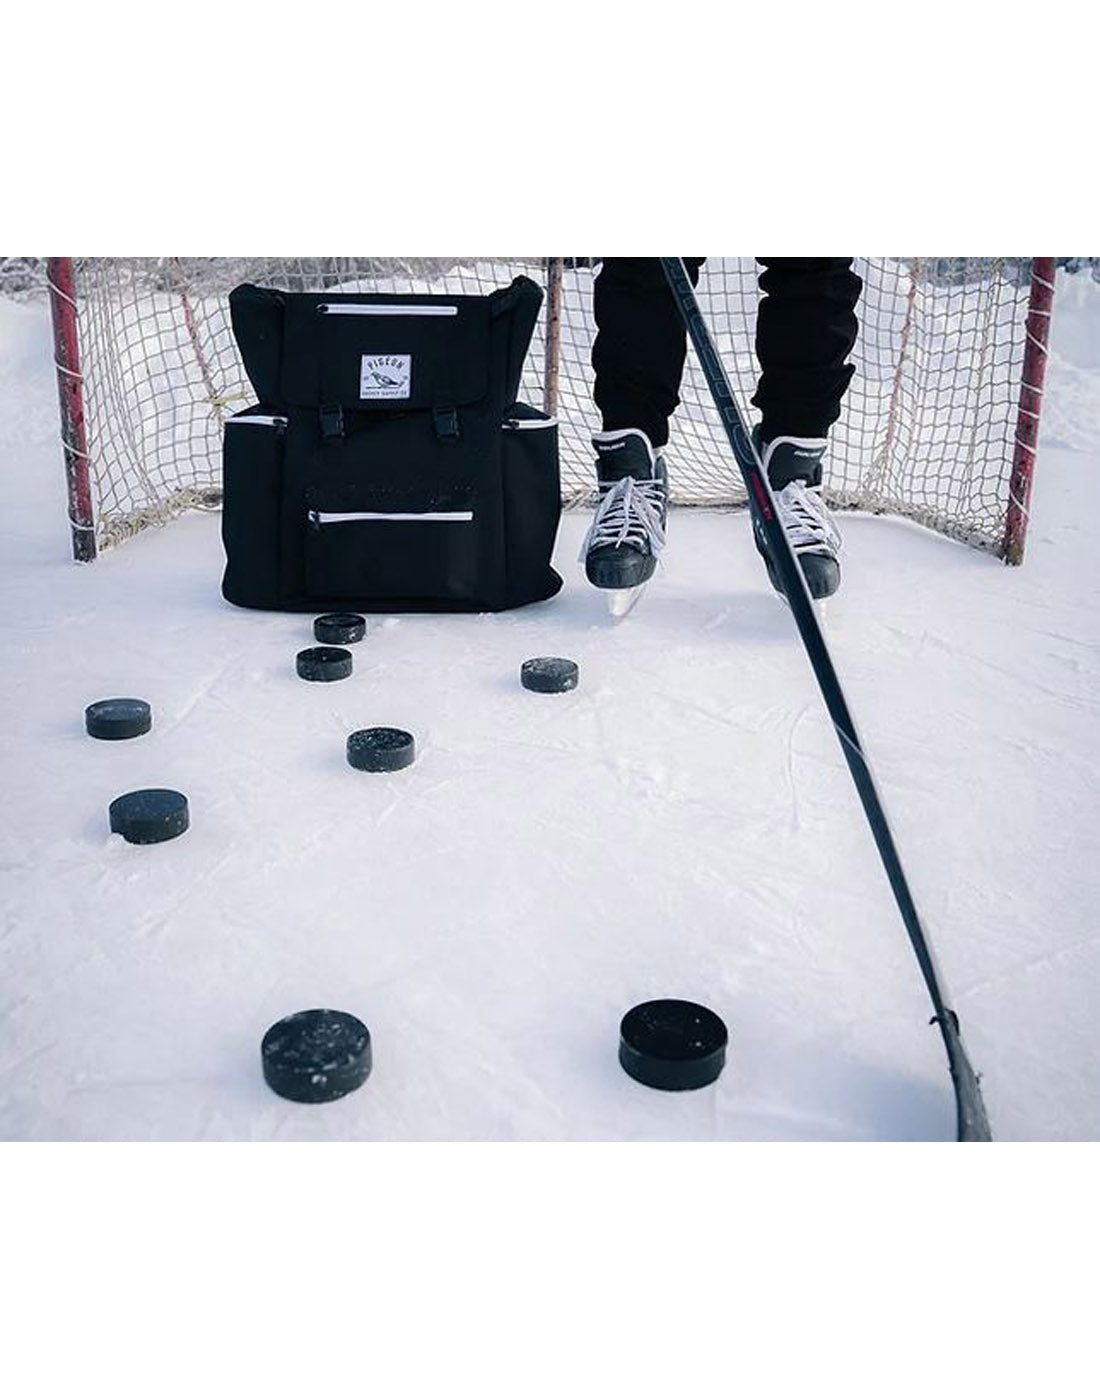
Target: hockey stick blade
(972, 1123)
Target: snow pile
(1071, 415)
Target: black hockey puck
(316, 1056)
(550, 675)
(672, 1045)
(381, 750)
(324, 664)
(338, 629)
(150, 815)
(118, 719)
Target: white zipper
(258, 418)
(335, 308)
(323, 517)
(521, 423)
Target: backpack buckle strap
(445, 421)
(332, 423)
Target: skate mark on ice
(148, 927)
(205, 690)
(1029, 965)
(1076, 702)
(796, 806)
(21, 1060)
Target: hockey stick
(971, 1118)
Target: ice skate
(793, 468)
(627, 534)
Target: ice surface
(681, 825)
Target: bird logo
(385, 377)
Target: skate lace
(629, 513)
(806, 519)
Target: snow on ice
(680, 825)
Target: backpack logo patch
(385, 377)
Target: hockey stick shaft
(971, 1119)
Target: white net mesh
(926, 430)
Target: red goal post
(940, 424)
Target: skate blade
(820, 606)
(621, 602)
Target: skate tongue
(618, 470)
(623, 454)
(793, 459)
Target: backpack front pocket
(390, 543)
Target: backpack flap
(385, 353)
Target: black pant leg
(640, 346)
(805, 330)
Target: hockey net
(927, 431)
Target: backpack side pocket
(252, 485)
(532, 502)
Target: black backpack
(387, 466)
